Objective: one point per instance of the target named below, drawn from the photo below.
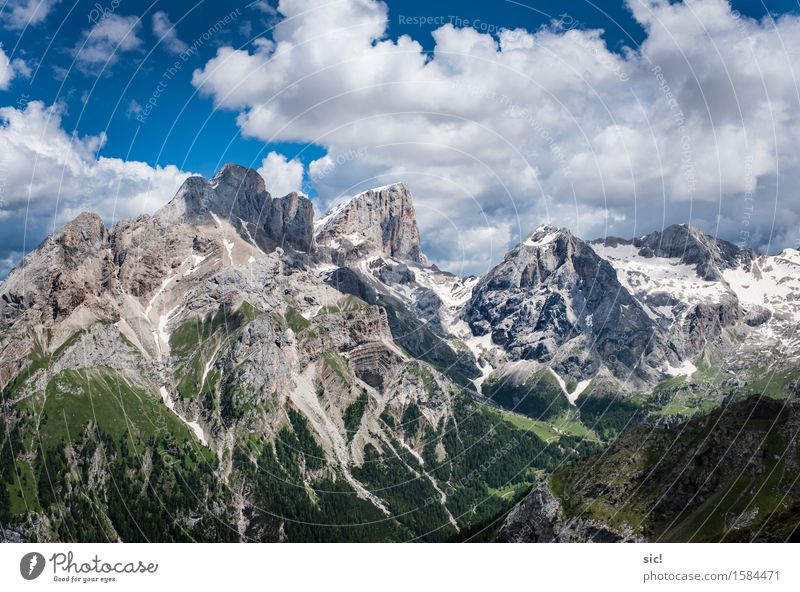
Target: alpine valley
(231, 369)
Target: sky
(612, 118)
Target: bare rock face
(290, 222)
(706, 320)
(70, 268)
(552, 289)
(143, 250)
(378, 222)
(709, 255)
(238, 194)
(539, 518)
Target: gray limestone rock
(380, 221)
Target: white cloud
(111, 36)
(6, 70)
(164, 30)
(18, 14)
(49, 176)
(264, 6)
(133, 109)
(10, 69)
(281, 176)
(525, 127)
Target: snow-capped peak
(340, 204)
(543, 235)
(790, 255)
(398, 184)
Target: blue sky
(144, 82)
(184, 128)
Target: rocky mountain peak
(708, 254)
(546, 238)
(240, 179)
(379, 221)
(239, 194)
(85, 233)
(69, 268)
(553, 289)
(70, 246)
(85, 225)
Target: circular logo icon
(31, 565)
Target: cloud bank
(497, 134)
(48, 176)
(19, 14)
(10, 69)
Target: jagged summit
(357, 356)
(234, 179)
(708, 254)
(545, 235)
(239, 194)
(553, 290)
(378, 221)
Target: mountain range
(231, 368)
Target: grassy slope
(696, 481)
(102, 458)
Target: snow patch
(381, 188)
(192, 425)
(196, 261)
(332, 213)
(249, 236)
(573, 396)
(149, 308)
(304, 396)
(686, 368)
(160, 334)
(647, 275)
(229, 248)
(355, 238)
(790, 255)
(545, 240)
(559, 380)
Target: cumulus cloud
(18, 14)
(49, 176)
(10, 69)
(6, 70)
(102, 44)
(504, 132)
(265, 7)
(281, 176)
(165, 31)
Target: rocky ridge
(250, 325)
(730, 476)
(379, 221)
(217, 318)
